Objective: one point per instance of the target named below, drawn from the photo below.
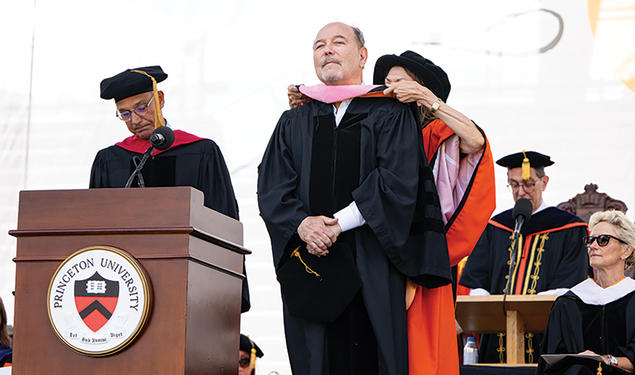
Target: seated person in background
(5, 342)
(247, 356)
(550, 252)
(190, 161)
(597, 316)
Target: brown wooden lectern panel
(193, 257)
(525, 313)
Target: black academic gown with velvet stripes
(374, 157)
(199, 164)
(551, 255)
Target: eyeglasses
(140, 111)
(527, 186)
(244, 362)
(603, 239)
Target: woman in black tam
(458, 152)
(410, 78)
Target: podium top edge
(498, 298)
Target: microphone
(520, 213)
(162, 138)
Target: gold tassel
(158, 117)
(526, 167)
(252, 355)
(599, 368)
(296, 253)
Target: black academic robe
(387, 195)
(6, 355)
(550, 255)
(575, 326)
(199, 164)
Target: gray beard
(331, 77)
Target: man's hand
(296, 98)
(319, 233)
(334, 226)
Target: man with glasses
(190, 161)
(551, 254)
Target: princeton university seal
(99, 300)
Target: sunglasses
(244, 362)
(603, 239)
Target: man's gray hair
(359, 35)
(540, 172)
(624, 229)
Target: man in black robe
(190, 161)
(341, 189)
(551, 255)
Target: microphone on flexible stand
(521, 213)
(161, 139)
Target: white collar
(542, 206)
(593, 294)
(339, 112)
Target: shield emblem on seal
(96, 300)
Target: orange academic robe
(432, 343)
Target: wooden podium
(193, 257)
(525, 313)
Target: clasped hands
(319, 233)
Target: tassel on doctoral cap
(252, 355)
(526, 167)
(525, 160)
(247, 345)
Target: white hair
(624, 229)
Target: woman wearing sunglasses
(597, 316)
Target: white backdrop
(229, 64)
